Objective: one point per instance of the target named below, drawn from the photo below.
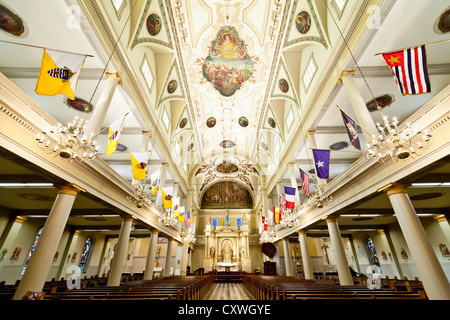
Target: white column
(293, 177)
(280, 192)
(42, 258)
(432, 275)
(345, 277)
(287, 257)
(306, 258)
(388, 243)
(148, 274)
(101, 107)
(363, 117)
(120, 255)
(445, 226)
(184, 258)
(176, 187)
(312, 143)
(167, 264)
(162, 183)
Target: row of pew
(130, 288)
(291, 288)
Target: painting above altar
(226, 195)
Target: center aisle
(228, 291)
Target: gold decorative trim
(345, 73)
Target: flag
(139, 164)
(350, 124)
(282, 206)
(215, 222)
(176, 207)
(290, 197)
(181, 217)
(276, 215)
(410, 70)
(59, 73)
(187, 220)
(167, 194)
(265, 223)
(154, 178)
(322, 162)
(304, 178)
(114, 131)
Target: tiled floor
(228, 291)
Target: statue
(227, 222)
(211, 252)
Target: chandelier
(139, 197)
(288, 219)
(68, 142)
(167, 218)
(319, 198)
(266, 237)
(190, 237)
(394, 143)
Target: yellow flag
(139, 164)
(167, 195)
(114, 132)
(176, 207)
(59, 73)
(154, 178)
(181, 215)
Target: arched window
(372, 252)
(31, 251)
(85, 255)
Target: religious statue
(211, 252)
(227, 222)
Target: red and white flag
(410, 70)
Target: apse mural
(226, 195)
(227, 65)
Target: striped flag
(304, 178)
(290, 197)
(410, 70)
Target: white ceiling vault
(228, 77)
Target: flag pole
(40, 47)
(425, 44)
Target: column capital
(71, 189)
(301, 232)
(290, 164)
(165, 164)
(128, 218)
(345, 73)
(155, 231)
(148, 132)
(440, 218)
(114, 74)
(381, 231)
(308, 132)
(394, 188)
(331, 219)
(20, 219)
(278, 182)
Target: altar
(227, 266)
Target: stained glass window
(372, 252)
(85, 254)
(31, 251)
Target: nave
(228, 291)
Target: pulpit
(270, 268)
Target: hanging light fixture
(266, 237)
(68, 142)
(288, 219)
(395, 143)
(190, 237)
(167, 218)
(319, 198)
(140, 197)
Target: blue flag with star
(322, 162)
